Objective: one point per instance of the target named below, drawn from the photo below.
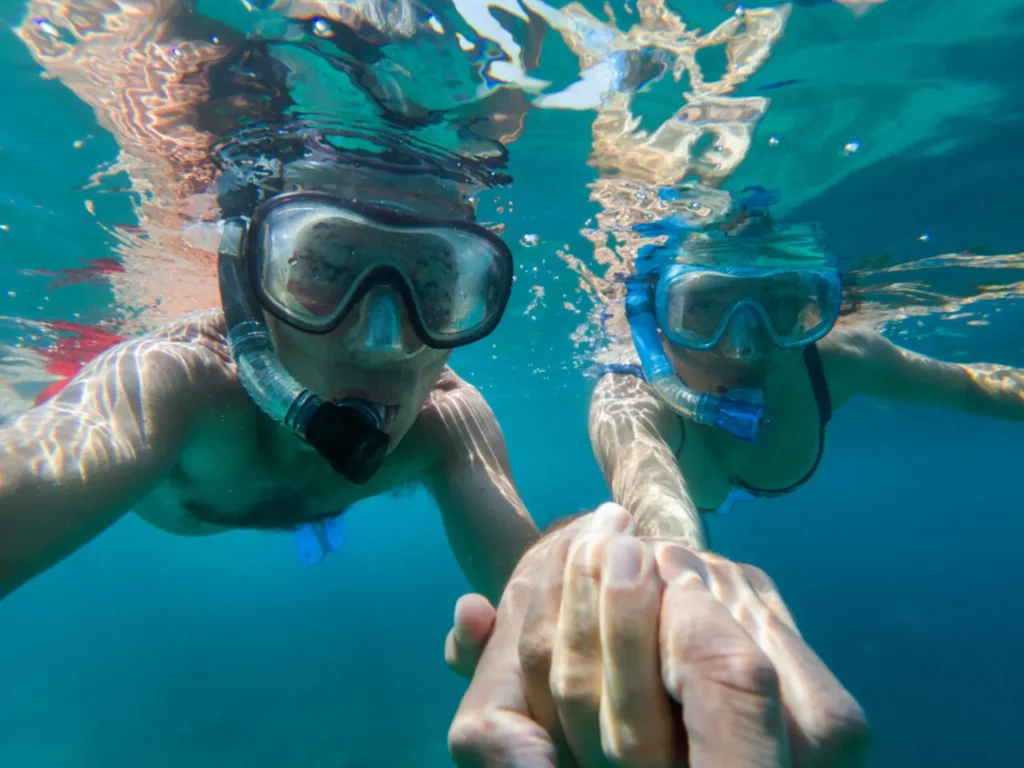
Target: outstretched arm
(72, 466)
(631, 433)
(863, 362)
(487, 524)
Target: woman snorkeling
(738, 366)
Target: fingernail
(609, 518)
(625, 559)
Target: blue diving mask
(695, 307)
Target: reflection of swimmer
(738, 368)
(167, 82)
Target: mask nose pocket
(744, 334)
(383, 320)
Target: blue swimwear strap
(623, 369)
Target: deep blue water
(900, 561)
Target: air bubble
(529, 241)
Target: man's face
(375, 354)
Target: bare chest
(238, 477)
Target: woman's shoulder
(847, 355)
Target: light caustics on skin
(460, 412)
(622, 414)
(100, 419)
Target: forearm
(656, 497)
(488, 553)
(58, 491)
(994, 391)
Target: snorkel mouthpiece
(347, 433)
(740, 412)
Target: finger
(765, 589)
(539, 627)
(826, 725)
(728, 688)
(576, 675)
(637, 727)
(474, 620)
(493, 726)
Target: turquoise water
(900, 137)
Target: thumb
(474, 620)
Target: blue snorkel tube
(740, 412)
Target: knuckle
(535, 650)
(470, 734)
(583, 560)
(758, 579)
(751, 673)
(573, 691)
(625, 749)
(497, 737)
(842, 735)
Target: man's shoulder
(205, 331)
(453, 409)
(187, 355)
(453, 392)
(196, 343)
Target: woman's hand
(601, 636)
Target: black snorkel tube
(347, 433)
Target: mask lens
(800, 305)
(313, 259)
(695, 306)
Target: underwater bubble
(529, 241)
(851, 147)
(322, 29)
(774, 140)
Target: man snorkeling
(322, 381)
(739, 364)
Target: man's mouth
(378, 400)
